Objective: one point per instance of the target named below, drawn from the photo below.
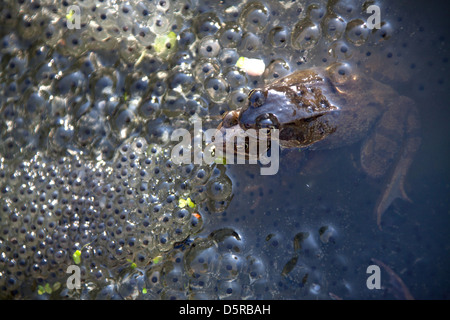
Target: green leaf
(47, 288)
(182, 203)
(157, 259)
(77, 257)
(56, 286)
(70, 15)
(190, 203)
(240, 63)
(41, 290)
(220, 160)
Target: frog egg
(229, 289)
(103, 84)
(228, 58)
(9, 148)
(136, 86)
(305, 35)
(236, 78)
(29, 27)
(230, 35)
(357, 32)
(71, 83)
(175, 280)
(209, 47)
(339, 50)
(160, 24)
(149, 108)
(345, 8)
(202, 262)
(163, 5)
(149, 65)
(125, 12)
(175, 101)
(275, 70)
(159, 132)
(217, 89)
(201, 175)
(160, 85)
(131, 284)
(60, 138)
(128, 50)
(219, 188)
(278, 37)
(254, 17)
(123, 121)
(255, 269)
(144, 10)
(181, 80)
(186, 38)
(250, 44)
(206, 68)
(125, 27)
(231, 266)
(333, 27)
(316, 12)
(143, 34)
(384, 33)
(239, 98)
(16, 66)
(164, 241)
(183, 59)
(206, 24)
(9, 44)
(106, 17)
(340, 72)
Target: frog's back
(360, 102)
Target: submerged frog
(326, 108)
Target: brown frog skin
(326, 108)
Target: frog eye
(230, 120)
(256, 98)
(267, 121)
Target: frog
(324, 108)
